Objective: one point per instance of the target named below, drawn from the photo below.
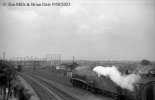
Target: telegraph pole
(73, 59)
(34, 63)
(4, 55)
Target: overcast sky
(88, 30)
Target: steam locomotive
(89, 80)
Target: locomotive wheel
(82, 87)
(94, 91)
(89, 88)
(85, 87)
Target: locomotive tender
(89, 80)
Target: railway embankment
(30, 94)
(21, 90)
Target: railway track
(63, 95)
(107, 94)
(56, 78)
(47, 75)
(42, 93)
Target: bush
(146, 62)
(19, 68)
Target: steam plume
(124, 81)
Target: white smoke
(124, 81)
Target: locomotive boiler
(88, 80)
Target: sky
(87, 29)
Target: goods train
(89, 80)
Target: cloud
(97, 24)
(25, 16)
(107, 17)
(75, 8)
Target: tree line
(7, 76)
